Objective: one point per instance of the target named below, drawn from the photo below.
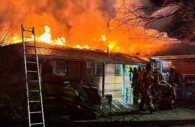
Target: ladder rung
(33, 80)
(34, 90)
(27, 29)
(31, 62)
(36, 101)
(36, 124)
(27, 37)
(29, 45)
(32, 71)
(35, 112)
(29, 54)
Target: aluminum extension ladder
(33, 79)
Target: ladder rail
(29, 101)
(26, 75)
(39, 78)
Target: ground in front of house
(122, 114)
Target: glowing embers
(111, 45)
(103, 38)
(16, 39)
(82, 47)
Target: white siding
(118, 85)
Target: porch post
(103, 79)
(124, 84)
(161, 66)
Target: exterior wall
(113, 83)
(11, 64)
(75, 72)
(184, 67)
(119, 85)
(12, 87)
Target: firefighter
(166, 100)
(146, 79)
(70, 94)
(155, 86)
(135, 85)
(157, 76)
(173, 80)
(173, 76)
(130, 73)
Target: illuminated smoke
(62, 12)
(79, 22)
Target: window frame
(118, 70)
(95, 67)
(56, 65)
(166, 66)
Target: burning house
(106, 73)
(72, 29)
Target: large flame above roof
(82, 24)
(47, 38)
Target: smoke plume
(63, 13)
(176, 17)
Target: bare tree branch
(182, 14)
(5, 33)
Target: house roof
(174, 57)
(51, 51)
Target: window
(118, 69)
(94, 68)
(60, 68)
(90, 68)
(166, 66)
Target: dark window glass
(94, 68)
(118, 69)
(60, 68)
(166, 66)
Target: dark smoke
(62, 11)
(177, 49)
(108, 9)
(181, 23)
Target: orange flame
(103, 38)
(99, 31)
(47, 38)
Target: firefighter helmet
(148, 66)
(172, 68)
